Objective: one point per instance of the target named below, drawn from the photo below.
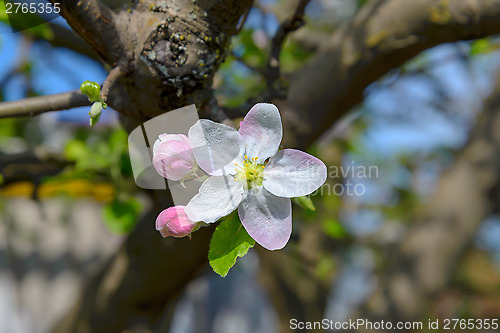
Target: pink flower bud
(173, 221)
(173, 157)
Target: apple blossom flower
(249, 173)
(173, 157)
(173, 221)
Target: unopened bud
(173, 157)
(96, 109)
(174, 222)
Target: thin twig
(113, 76)
(32, 106)
(286, 27)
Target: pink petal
(216, 147)
(267, 218)
(293, 173)
(261, 131)
(173, 221)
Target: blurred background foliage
(410, 126)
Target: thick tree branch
(94, 22)
(131, 291)
(33, 106)
(70, 40)
(382, 36)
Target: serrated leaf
(229, 241)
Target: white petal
(218, 196)
(216, 147)
(261, 131)
(267, 218)
(292, 173)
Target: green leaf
(76, 150)
(304, 202)
(121, 216)
(94, 120)
(481, 46)
(229, 241)
(334, 229)
(92, 90)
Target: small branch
(286, 27)
(243, 20)
(35, 105)
(69, 39)
(113, 76)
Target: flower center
(251, 171)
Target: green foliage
(106, 157)
(482, 46)
(334, 229)
(92, 90)
(12, 127)
(239, 79)
(229, 241)
(121, 216)
(361, 3)
(293, 56)
(236, 85)
(304, 202)
(102, 156)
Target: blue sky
(54, 71)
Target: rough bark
(168, 51)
